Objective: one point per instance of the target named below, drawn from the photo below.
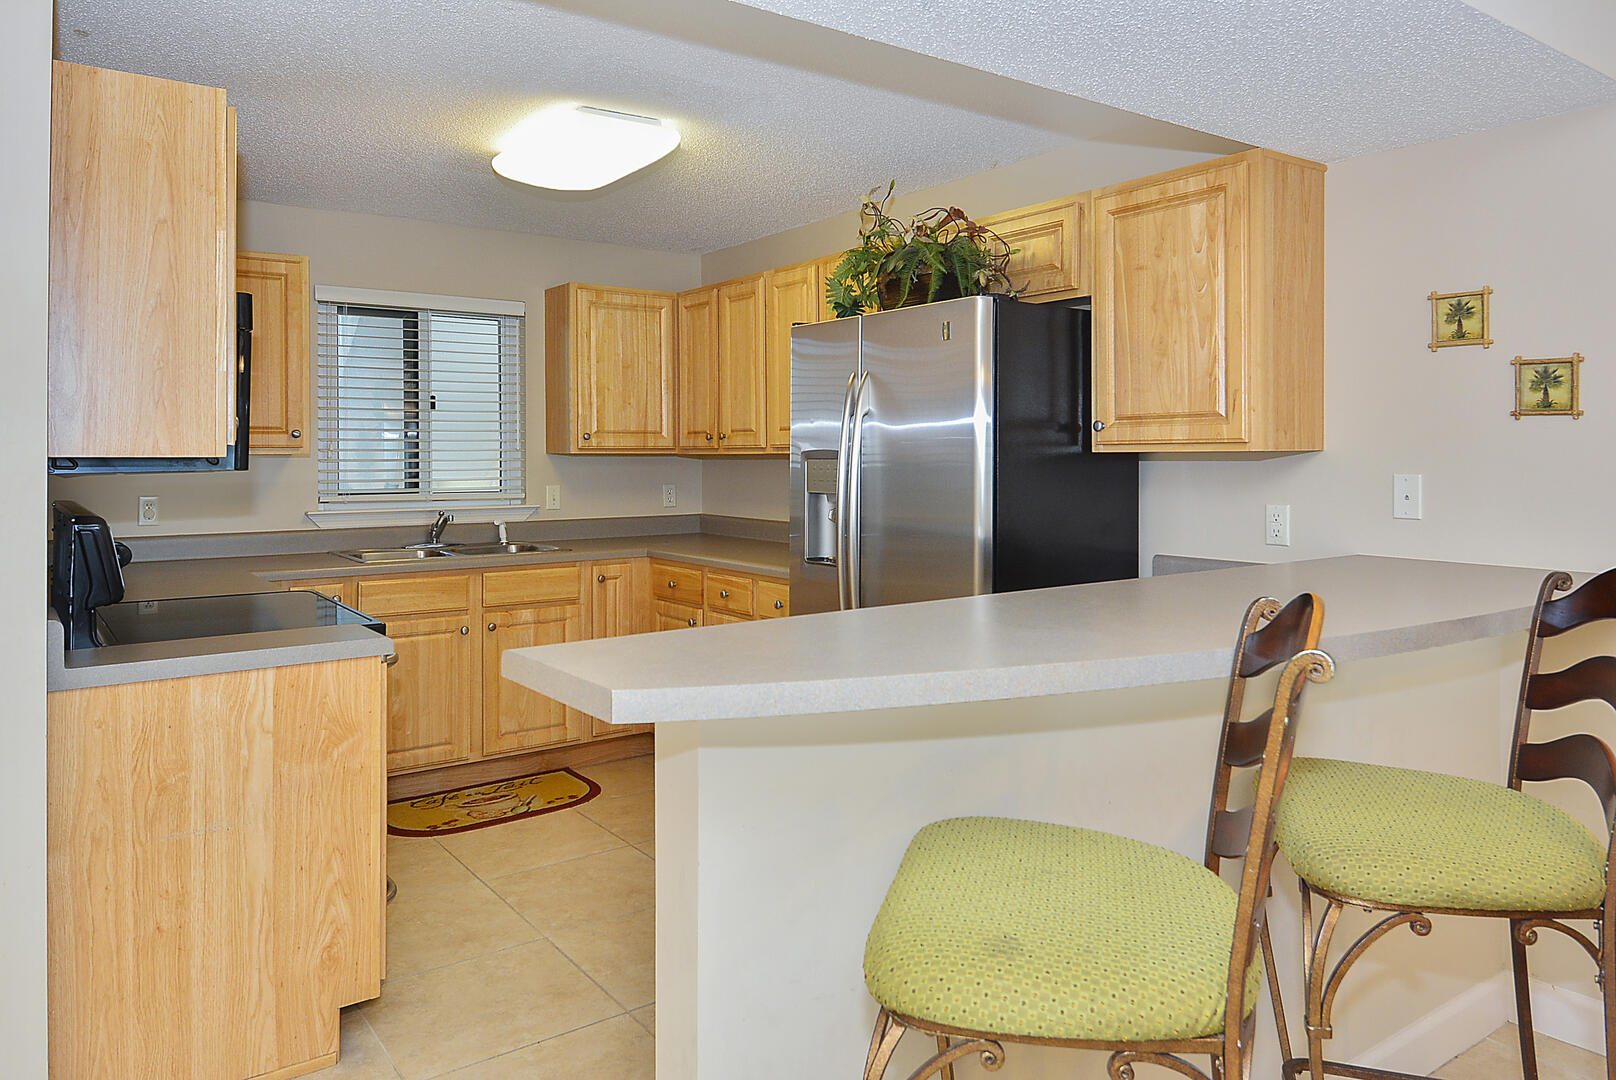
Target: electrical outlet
(1277, 525)
(148, 510)
(1408, 496)
(552, 496)
(668, 499)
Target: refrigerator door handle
(850, 514)
(840, 509)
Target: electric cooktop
(139, 621)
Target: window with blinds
(419, 399)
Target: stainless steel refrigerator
(943, 450)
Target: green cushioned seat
(1022, 928)
(1428, 840)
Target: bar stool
(1414, 844)
(997, 930)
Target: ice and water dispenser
(819, 506)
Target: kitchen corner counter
(1103, 636)
(116, 665)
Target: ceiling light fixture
(580, 148)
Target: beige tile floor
(1498, 1057)
(520, 951)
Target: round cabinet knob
(600, 577)
(692, 622)
(723, 594)
(722, 435)
(1099, 425)
(779, 605)
(296, 434)
(465, 629)
(493, 626)
(709, 436)
(586, 436)
(672, 584)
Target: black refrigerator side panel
(1062, 515)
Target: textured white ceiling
(1324, 79)
(396, 106)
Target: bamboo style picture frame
(1550, 386)
(1461, 318)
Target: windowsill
(371, 517)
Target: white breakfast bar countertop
(1108, 635)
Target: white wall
(372, 252)
(1524, 209)
(25, 53)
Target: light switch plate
(1408, 496)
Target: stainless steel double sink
(442, 551)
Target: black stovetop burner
(138, 621)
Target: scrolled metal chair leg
(990, 1054)
(883, 1042)
(947, 1072)
(1519, 938)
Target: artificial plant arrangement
(940, 255)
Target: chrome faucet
(434, 536)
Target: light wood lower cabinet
(619, 604)
(431, 690)
(667, 615)
(514, 717)
(215, 865)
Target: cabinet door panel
(514, 717)
(667, 615)
(773, 598)
(619, 604)
(1047, 245)
(1169, 301)
(431, 691)
(279, 285)
(141, 357)
(791, 298)
(698, 370)
(625, 369)
(742, 402)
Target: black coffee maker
(86, 570)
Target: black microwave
(234, 457)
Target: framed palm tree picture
(1547, 387)
(1461, 318)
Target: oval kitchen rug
(481, 805)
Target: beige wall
(369, 252)
(758, 488)
(1524, 209)
(25, 53)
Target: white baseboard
(1568, 1016)
(1463, 1021)
(1448, 1030)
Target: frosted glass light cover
(580, 148)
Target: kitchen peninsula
(795, 759)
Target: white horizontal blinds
(418, 404)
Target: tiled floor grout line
(386, 1053)
(535, 1042)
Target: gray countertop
(1103, 636)
(269, 573)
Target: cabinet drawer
(728, 593)
(773, 598)
(673, 581)
(534, 585)
(719, 618)
(671, 616)
(414, 593)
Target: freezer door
(824, 357)
(925, 506)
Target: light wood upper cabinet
(610, 369)
(281, 377)
(142, 267)
(826, 265)
(742, 399)
(698, 369)
(791, 297)
(1208, 308)
(1049, 259)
